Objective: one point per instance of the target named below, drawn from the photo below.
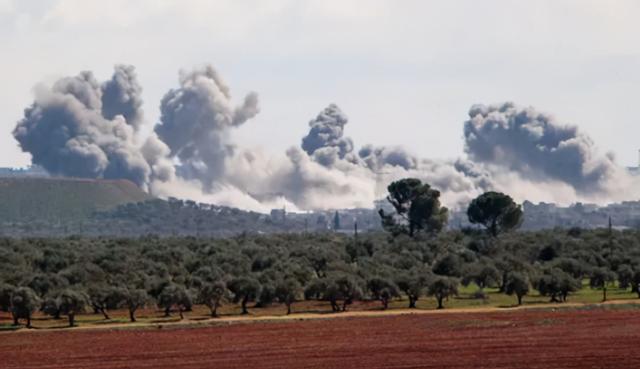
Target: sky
(405, 72)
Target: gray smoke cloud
(325, 141)
(66, 132)
(376, 166)
(122, 95)
(195, 122)
(377, 157)
(80, 127)
(536, 146)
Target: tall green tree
(417, 208)
(496, 211)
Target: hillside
(23, 199)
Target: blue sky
(405, 72)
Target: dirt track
(187, 323)
(514, 339)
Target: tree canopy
(417, 208)
(496, 211)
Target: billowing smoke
(66, 132)
(82, 128)
(122, 95)
(195, 122)
(325, 141)
(536, 146)
(377, 157)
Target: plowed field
(519, 339)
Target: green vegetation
(246, 274)
(27, 199)
(183, 275)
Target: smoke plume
(536, 146)
(195, 122)
(66, 132)
(122, 95)
(79, 127)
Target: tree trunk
(412, 302)
(104, 313)
(519, 300)
(288, 308)
(385, 304)
(29, 321)
(167, 311)
(15, 319)
(244, 306)
(604, 294)
(180, 312)
(503, 282)
(440, 298)
(132, 315)
(72, 320)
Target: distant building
(278, 216)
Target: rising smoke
(81, 128)
(537, 147)
(195, 122)
(66, 132)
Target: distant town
(624, 215)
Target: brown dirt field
(595, 338)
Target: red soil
(519, 339)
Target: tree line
(415, 257)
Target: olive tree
(482, 274)
(24, 302)
(133, 299)
(412, 285)
(175, 295)
(341, 288)
(211, 295)
(441, 288)
(71, 303)
(244, 290)
(600, 278)
(5, 296)
(287, 292)
(382, 290)
(556, 284)
(517, 284)
(103, 298)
